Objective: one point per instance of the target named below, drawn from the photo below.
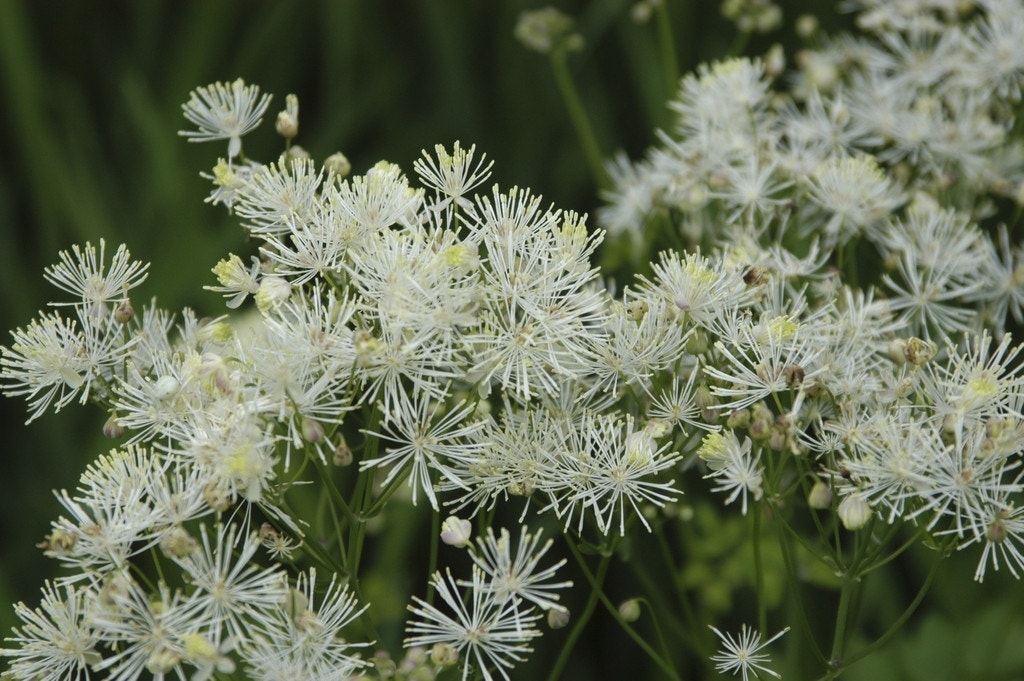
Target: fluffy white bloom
(229, 587)
(429, 441)
(224, 111)
(303, 637)
(45, 363)
(515, 575)
(86, 275)
(600, 474)
(55, 641)
(743, 654)
(490, 632)
(733, 465)
(452, 176)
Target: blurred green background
(91, 96)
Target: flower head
(224, 111)
(743, 655)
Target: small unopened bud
(287, 124)
(996, 532)
(629, 610)
(738, 418)
(272, 292)
(456, 531)
(854, 511)
(703, 398)
(124, 312)
(897, 350)
(919, 351)
(820, 496)
(112, 428)
(178, 543)
(337, 164)
(444, 655)
(217, 498)
(777, 438)
(762, 422)
(793, 374)
(267, 532)
(166, 388)
(342, 453)
(697, 343)
(775, 61)
(547, 29)
(658, 428)
(312, 431)
(806, 26)
(384, 665)
(558, 618)
(294, 153)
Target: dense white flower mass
(819, 340)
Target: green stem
(670, 63)
(435, 534)
(597, 593)
(794, 585)
(596, 581)
(762, 608)
(850, 585)
(580, 121)
(841, 664)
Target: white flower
(55, 641)
(452, 176)
(490, 633)
(224, 111)
(230, 587)
(733, 465)
(303, 638)
(517, 577)
(85, 274)
(743, 655)
(428, 439)
(600, 474)
(855, 192)
(46, 363)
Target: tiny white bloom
(743, 655)
(224, 111)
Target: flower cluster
(426, 338)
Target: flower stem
(670, 64)
(578, 115)
(596, 581)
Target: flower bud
(820, 496)
(166, 388)
(178, 543)
(456, 531)
(312, 431)
(272, 292)
(558, 618)
(337, 164)
(854, 511)
(342, 452)
(124, 312)
(113, 428)
(287, 124)
(547, 29)
(444, 655)
(629, 610)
